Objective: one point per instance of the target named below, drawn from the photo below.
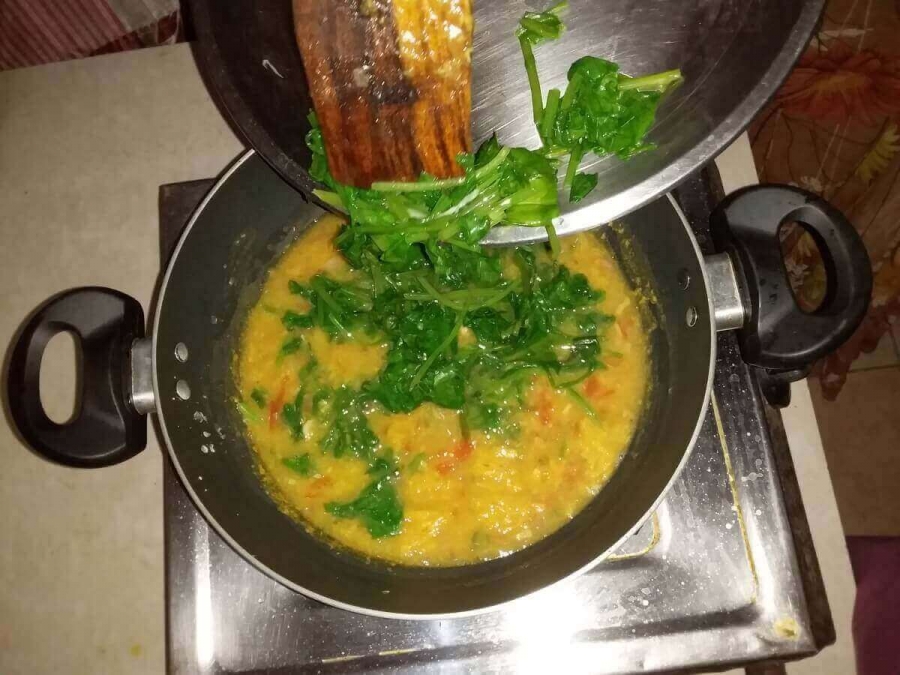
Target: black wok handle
(106, 428)
(777, 335)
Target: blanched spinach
(422, 281)
(339, 309)
(601, 111)
(302, 464)
(377, 506)
(349, 432)
(292, 416)
(259, 397)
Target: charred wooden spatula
(390, 81)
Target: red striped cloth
(33, 32)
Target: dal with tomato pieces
(441, 429)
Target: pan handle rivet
(181, 352)
(684, 279)
(183, 390)
(691, 316)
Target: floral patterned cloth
(834, 128)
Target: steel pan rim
(250, 558)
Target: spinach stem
(554, 240)
(324, 295)
(435, 294)
(536, 27)
(571, 90)
(493, 300)
(496, 161)
(582, 401)
(248, 413)
(463, 298)
(403, 186)
(574, 161)
(534, 82)
(445, 183)
(549, 116)
(659, 82)
(330, 198)
(423, 369)
(456, 243)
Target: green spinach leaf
(259, 397)
(582, 185)
(349, 432)
(292, 416)
(377, 506)
(302, 464)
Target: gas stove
(723, 574)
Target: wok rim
(259, 565)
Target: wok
(182, 372)
(733, 54)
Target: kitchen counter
(84, 146)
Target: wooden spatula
(390, 81)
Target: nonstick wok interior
(212, 281)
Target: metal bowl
(733, 56)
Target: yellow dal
(465, 502)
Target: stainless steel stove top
(723, 574)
